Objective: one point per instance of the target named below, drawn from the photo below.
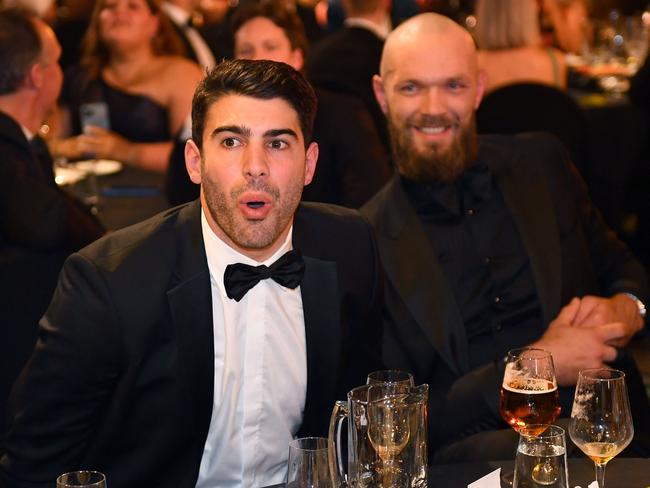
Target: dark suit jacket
(39, 226)
(345, 62)
(121, 379)
(571, 253)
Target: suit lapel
(321, 308)
(528, 196)
(190, 306)
(416, 274)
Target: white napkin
(492, 480)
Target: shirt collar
(380, 30)
(472, 187)
(219, 254)
(178, 15)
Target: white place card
(492, 480)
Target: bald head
(429, 88)
(427, 33)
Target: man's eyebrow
(279, 132)
(235, 129)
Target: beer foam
(529, 386)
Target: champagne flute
(601, 422)
(529, 400)
(81, 479)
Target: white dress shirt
(260, 380)
(380, 30)
(181, 18)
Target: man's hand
(597, 311)
(578, 348)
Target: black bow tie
(287, 271)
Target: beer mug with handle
(387, 437)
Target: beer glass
(529, 394)
(309, 465)
(601, 422)
(81, 479)
(541, 460)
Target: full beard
(251, 234)
(434, 164)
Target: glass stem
(600, 474)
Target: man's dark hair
(278, 13)
(20, 48)
(258, 79)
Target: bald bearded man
(489, 243)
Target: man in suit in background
(188, 350)
(180, 14)
(488, 243)
(39, 223)
(346, 60)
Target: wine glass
(389, 428)
(81, 479)
(393, 376)
(308, 465)
(601, 422)
(529, 400)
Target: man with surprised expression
(216, 332)
(252, 168)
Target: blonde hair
(506, 24)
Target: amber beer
(527, 401)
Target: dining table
(119, 197)
(620, 473)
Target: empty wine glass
(309, 465)
(393, 376)
(81, 479)
(601, 422)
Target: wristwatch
(640, 305)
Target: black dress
(135, 117)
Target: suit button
(497, 300)
(470, 211)
(487, 260)
(498, 327)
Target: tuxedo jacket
(121, 379)
(39, 226)
(571, 253)
(345, 62)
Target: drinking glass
(541, 459)
(389, 429)
(529, 396)
(601, 422)
(309, 465)
(81, 479)
(392, 376)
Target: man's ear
(480, 88)
(310, 162)
(35, 77)
(380, 95)
(193, 161)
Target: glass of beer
(529, 395)
(601, 422)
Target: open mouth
(255, 204)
